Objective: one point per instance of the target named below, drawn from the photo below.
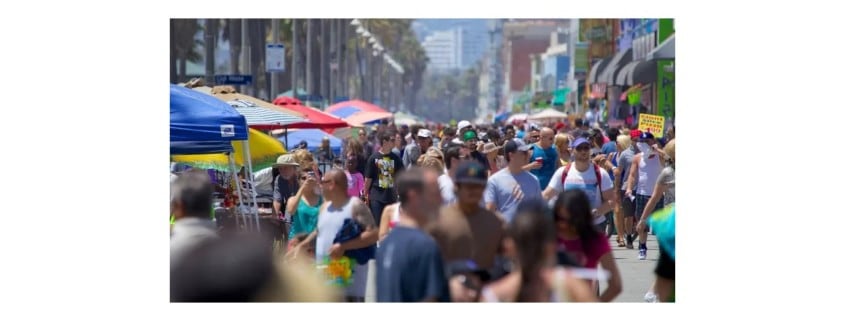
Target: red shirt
(587, 254)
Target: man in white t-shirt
(582, 175)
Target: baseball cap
(424, 133)
(635, 133)
(516, 144)
(471, 172)
(470, 134)
(578, 141)
(462, 124)
(646, 135)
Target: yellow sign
(652, 123)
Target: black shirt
(382, 169)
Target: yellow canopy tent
(263, 148)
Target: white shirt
(187, 234)
(585, 181)
(447, 188)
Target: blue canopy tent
(195, 116)
(202, 123)
(314, 137)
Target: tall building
(456, 48)
(522, 39)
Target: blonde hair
(432, 162)
(561, 141)
(670, 149)
(624, 142)
(303, 158)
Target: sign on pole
(652, 123)
(233, 79)
(275, 57)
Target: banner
(652, 124)
(666, 88)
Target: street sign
(275, 57)
(233, 79)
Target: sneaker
(642, 252)
(629, 240)
(650, 297)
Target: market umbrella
(314, 138)
(548, 114)
(316, 118)
(264, 150)
(517, 117)
(358, 104)
(264, 118)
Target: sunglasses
(582, 148)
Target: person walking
(409, 265)
(646, 167)
(379, 178)
(337, 214)
(507, 188)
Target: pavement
(637, 275)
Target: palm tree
(183, 46)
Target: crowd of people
(467, 213)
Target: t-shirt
(586, 253)
(667, 177)
(479, 157)
(608, 148)
(585, 181)
(356, 184)
(624, 165)
(410, 268)
(544, 173)
(382, 169)
(447, 188)
(475, 237)
(412, 153)
(500, 191)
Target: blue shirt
(544, 173)
(500, 191)
(608, 148)
(410, 268)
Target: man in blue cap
(586, 176)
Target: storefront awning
(619, 60)
(665, 50)
(637, 72)
(598, 67)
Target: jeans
(377, 207)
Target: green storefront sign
(665, 28)
(666, 88)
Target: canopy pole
(237, 181)
(251, 182)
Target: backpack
(598, 177)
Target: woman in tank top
(304, 207)
(535, 277)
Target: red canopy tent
(316, 118)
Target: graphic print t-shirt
(585, 181)
(382, 169)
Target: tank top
(649, 169)
(305, 218)
(329, 224)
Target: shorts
(627, 205)
(641, 201)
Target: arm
(277, 197)
(634, 172)
(490, 196)
(608, 201)
(579, 290)
(293, 202)
(555, 185)
(367, 182)
(615, 283)
(370, 235)
(384, 225)
(659, 189)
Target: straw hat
(285, 160)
